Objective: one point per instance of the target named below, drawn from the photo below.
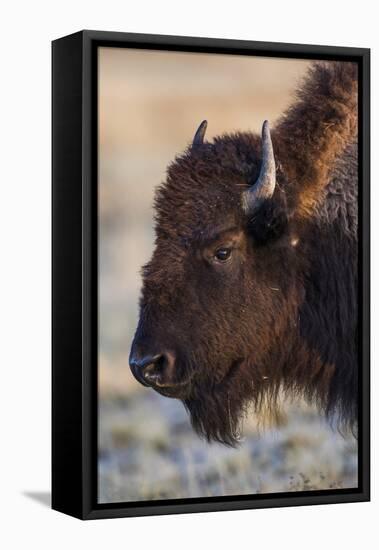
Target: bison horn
(200, 133)
(265, 185)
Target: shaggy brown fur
(281, 313)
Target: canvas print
(227, 275)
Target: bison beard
(216, 412)
(252, 287)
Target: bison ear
(271, 221)
(200, 134)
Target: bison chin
(217, 411)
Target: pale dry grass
(148, 451)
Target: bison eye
(223, 254)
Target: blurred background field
(150, 104)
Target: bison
(252, 286)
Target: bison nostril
(145, 369)
(151, 373)
(152, 370)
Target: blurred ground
(150, 104)
(149, 451)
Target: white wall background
(26, 31)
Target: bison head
(237, 261)
(220, 290)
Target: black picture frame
(74, 272)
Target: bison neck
(324, 364)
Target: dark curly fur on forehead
(204, 186)
(280, 313)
